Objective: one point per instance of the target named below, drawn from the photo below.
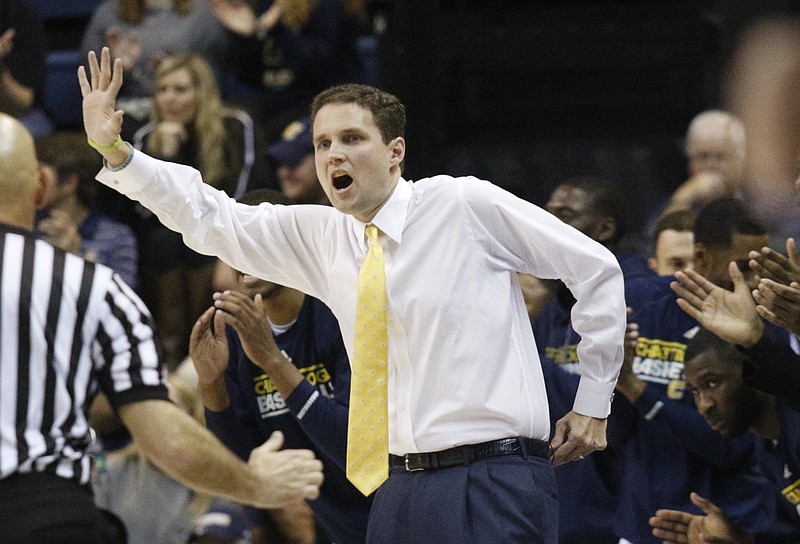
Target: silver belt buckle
(408, 469)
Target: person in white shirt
(467, 409)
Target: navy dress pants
(505, 500)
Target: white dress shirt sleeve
(520, 236)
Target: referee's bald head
(20, 183)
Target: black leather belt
(464, 455)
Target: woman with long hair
(190, 125)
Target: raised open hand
(730, 315)
(249, 319)
(101, 120)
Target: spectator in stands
(223, 523)
(190, 125)
(142, 32)
(293, 155)
(285, 52)
(673, 242)
(22, 65)
(715, 152)
(69, 218)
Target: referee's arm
(189, 453)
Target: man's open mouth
(342, 181)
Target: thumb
(705, 505)
(739, 285)
(560, 434)
(791, 252)
(274, 442)
(219, 323)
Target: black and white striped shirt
(67, 327)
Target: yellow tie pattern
(367, 429)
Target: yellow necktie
(367, 429)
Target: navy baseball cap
(225, 520)
(295, 143)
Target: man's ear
(606, 230)
(398, 149)
(41, 189)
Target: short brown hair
(388, 112)
(677, 220)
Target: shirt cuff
(302, 398)
(593, 398)
(130, 176)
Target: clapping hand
(248, 318)
(778, 291)
(208, 346)
(731, 315)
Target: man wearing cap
(293, 155)
(224, 522)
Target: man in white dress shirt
(468, 416)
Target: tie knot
(372, 232)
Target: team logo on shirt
(792, 493)
(661, 362)
(270, 401)
(562, 355)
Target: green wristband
(103, 148)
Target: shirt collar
(391, 218)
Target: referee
(68, 328)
